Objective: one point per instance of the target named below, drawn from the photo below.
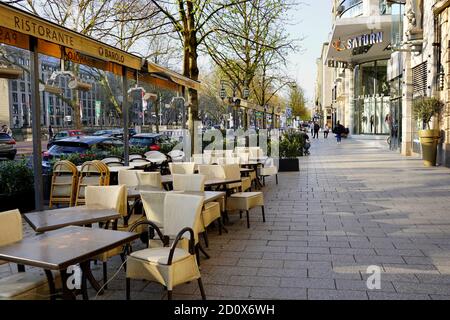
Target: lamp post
(233, 100)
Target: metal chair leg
(105, 275)
(127, 289)
(248, 219)
(169, 294)
(276, 177)
(263, 213)
(205, 237)
(202, 290)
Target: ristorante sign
(364, 40)
(29, 25)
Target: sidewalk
(351, 206)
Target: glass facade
(372, 98)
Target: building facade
(386, 54)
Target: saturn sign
(359, 41)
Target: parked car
(152, 141)
(116, 133)
(80, 144)
(63, 135)
(7, 147)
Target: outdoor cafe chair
(169, 266)
(129, 177)
(109, 160)
(91, 174)
(246, 201)
(135, 156)
(29, 284)
(211, 211)
(269, 169)
(182, 168)
(150, 179)
(105, 172)
(64, 184)
(108, 197)
(212, 172)
(233, 172)
(177, 155)
(156, 157)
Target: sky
(312, 23)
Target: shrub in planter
(291, 148)
(425, 109)
(16, 187)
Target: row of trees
(246, 40)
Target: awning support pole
(126, 141)
(36, 126)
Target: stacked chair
(64, 184)
(91, 174)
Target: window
(420, 80)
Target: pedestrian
(338, 131)
(306, 144)
(316, 130)
(326, 131)
(311, 128)
(7, 130)
(50, 132)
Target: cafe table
(58, 250)
(167, 180)
(48, 220)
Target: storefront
(359, 52)
(44, 66)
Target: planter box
(289, 165)
(23, 201)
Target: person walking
(326, 131)
(7, 130)
(338, 131)
(316, 130)
(50, 132)
(311, 128)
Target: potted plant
(425, 109)
(16, 187)
(291, 148)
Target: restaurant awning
(355, 40)
(165, 73)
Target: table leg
(67, 294)
(51, 285)
(86, 268)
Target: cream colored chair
(106, 175)
(245, 201)
(29, 285)
(150, 179)
(233, 172)
(211, 211)
(109, 197)
(256, 153)
(211, 171)
(269, 169)
(170, 266)
(189, 182)
(64, 184)
(129, 178)
(156, 157)
(182, 168)
(245, 157)
(153, 202)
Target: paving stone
(320, 294)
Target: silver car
(7, 147)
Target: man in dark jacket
(338, 131)
(316, 130)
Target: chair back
(153, 203)
(189, 182)
(256, 152)
(181, 211)
(106, 175)
(155, 157)
(10, 227)
(232, 171)
(107, 197)
(245, 157)
(129, 177)
(135, 156)
(212, 171)
(109, 160)
(182, 168)
(177, 155)
(91, 174)
(149, 179)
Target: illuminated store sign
(364, 40)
